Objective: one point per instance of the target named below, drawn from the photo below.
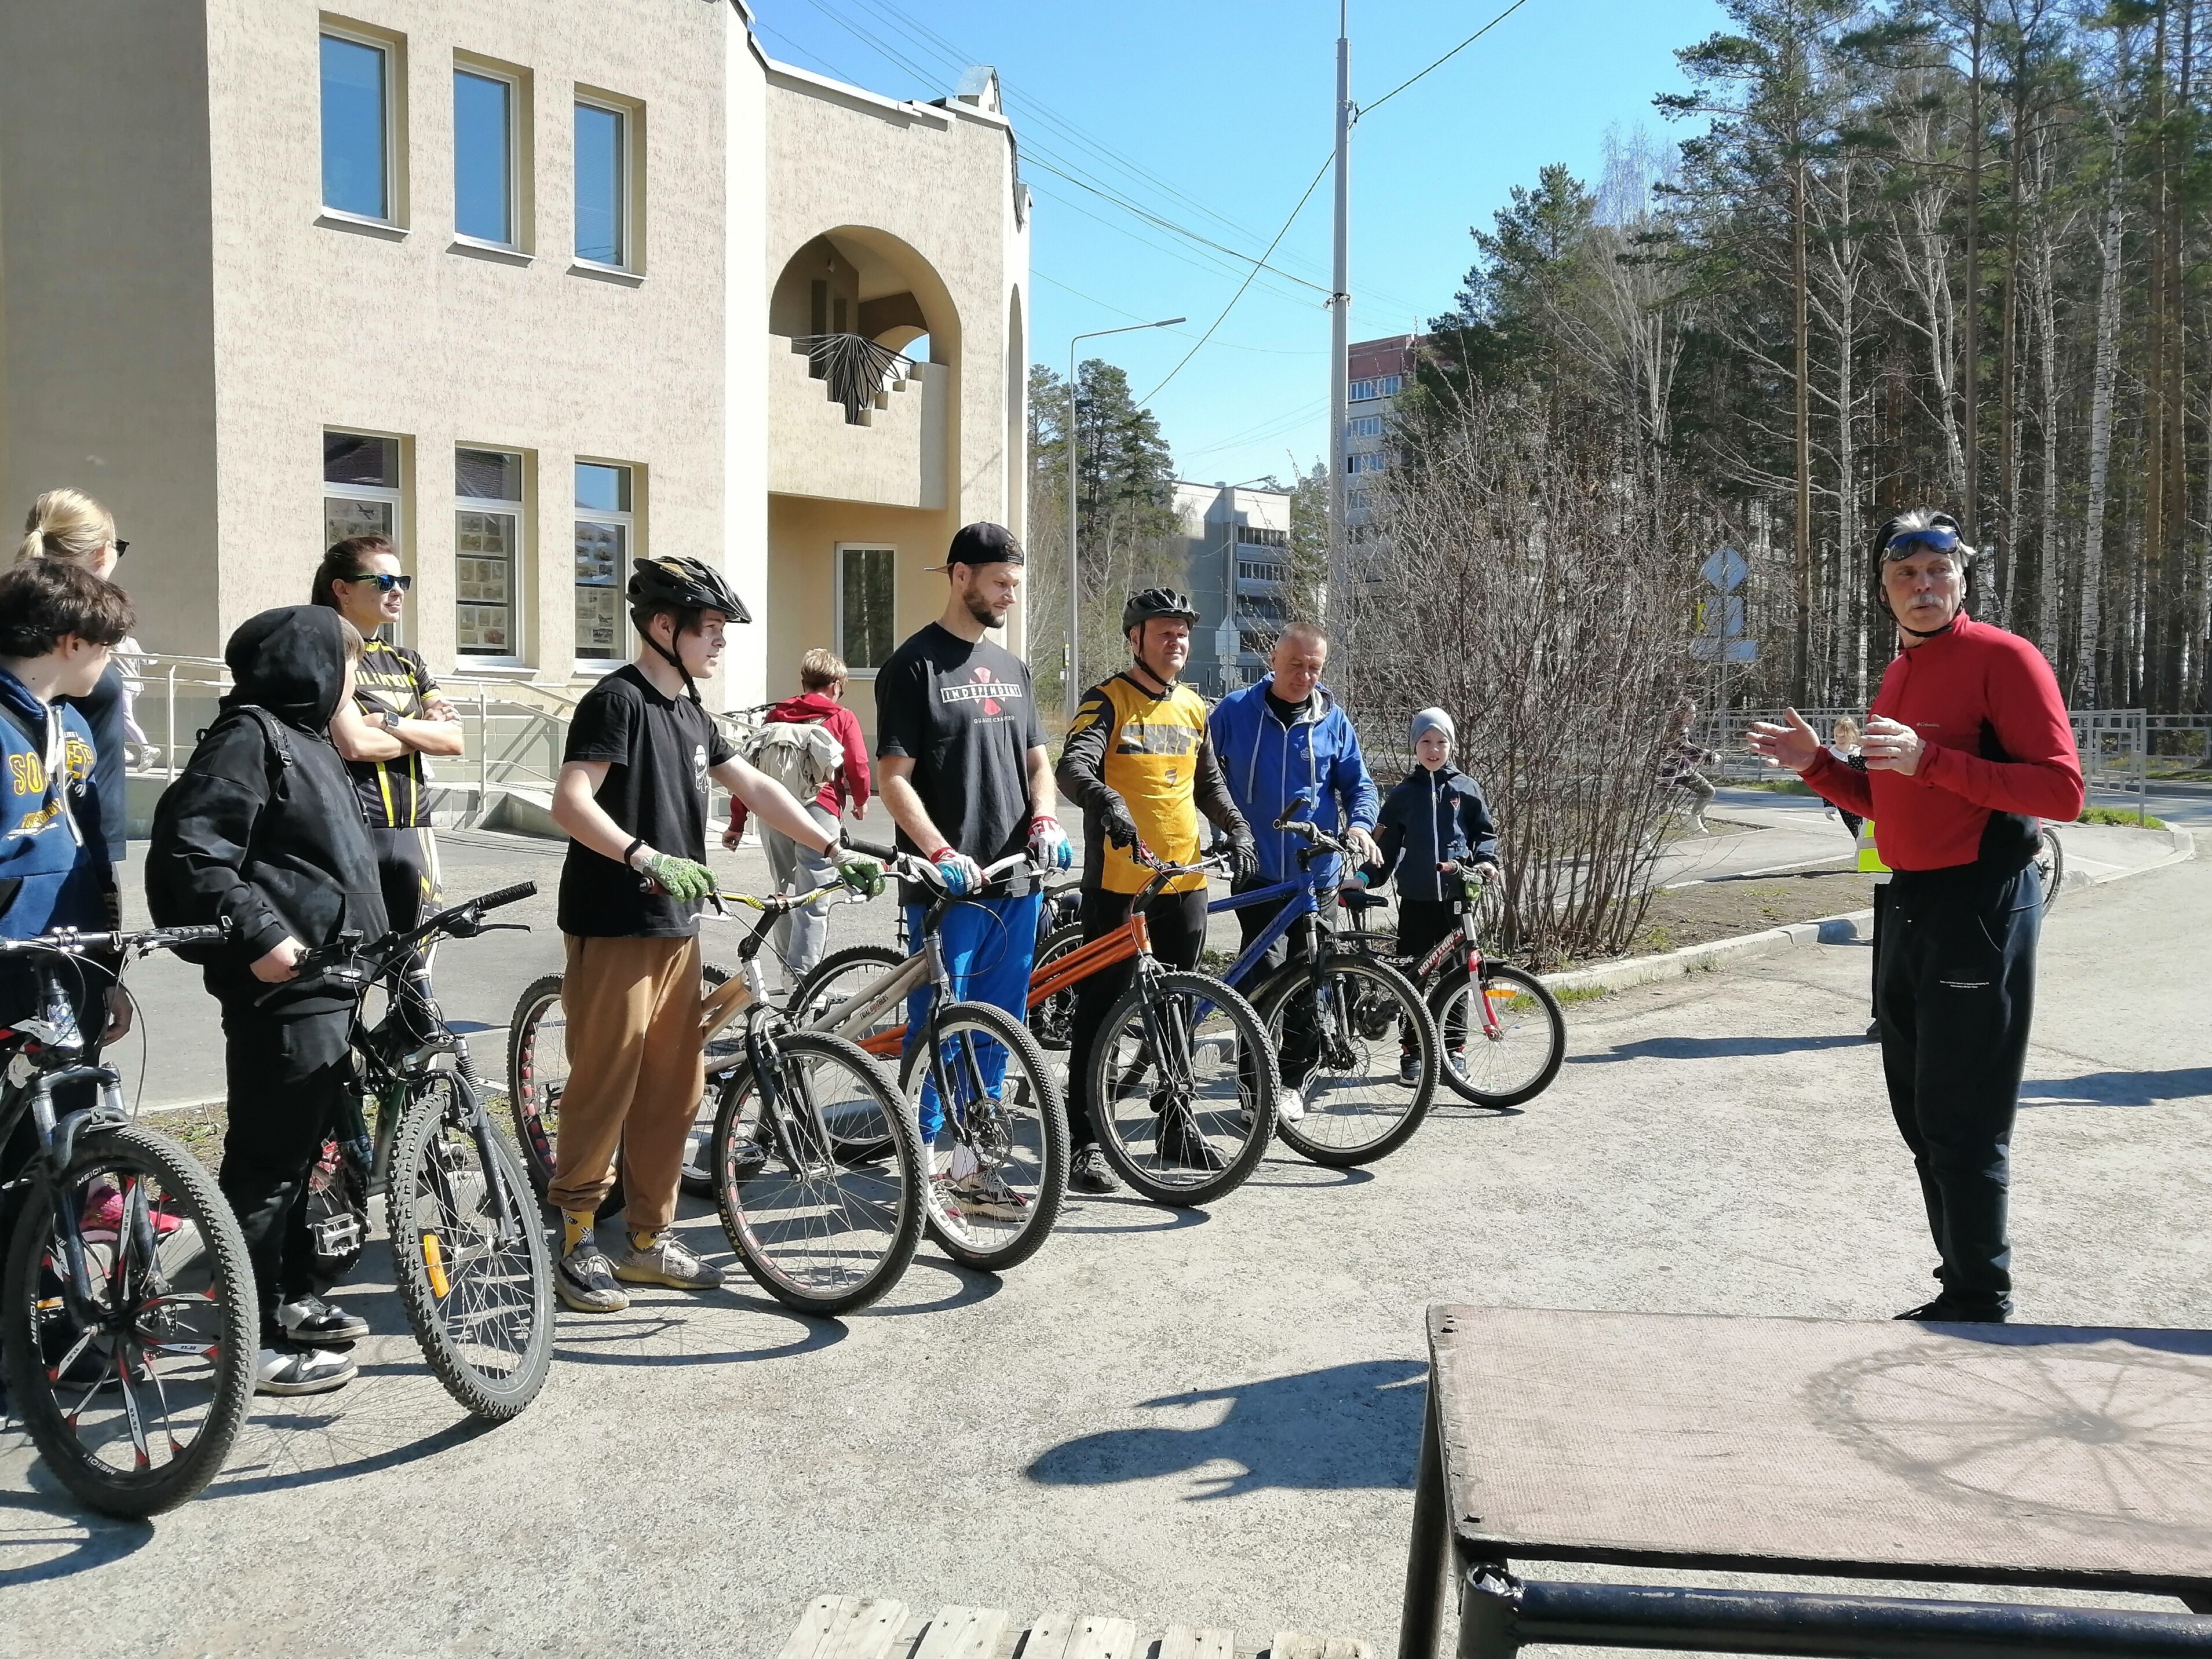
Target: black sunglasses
(120, 547)
(384, 580)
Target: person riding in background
(1281, 740)
(968, 779)
(263, 830)
(1680, 763)
(632, 798)
(829, 746)
(1139, 763)
(1967, 746)
(1435, 832)
(394, 718)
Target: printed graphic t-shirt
(659, 750)
(391, 680)
(965, 716)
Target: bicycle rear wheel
(816, 1003)
(1007, 1161)
(2050, 865)
(469, 1251)
(1182, 1091)
(1340, 1049)
(1053, 1021)
(134, 1402)
(1515, 1060)
(817, 1231)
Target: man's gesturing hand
(1892, 746)
(1796, 745)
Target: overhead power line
(1366, 110)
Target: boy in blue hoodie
(1435, 831)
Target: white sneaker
(301, 1371)
(1289, 1106)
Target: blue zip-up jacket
(53, 857)
(1269, 765)
(1432, 818)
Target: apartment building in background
(531, 287)
(1379, 372)
(1237, 553)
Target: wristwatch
(391, 720)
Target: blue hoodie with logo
(53, 855)
(1269, 765)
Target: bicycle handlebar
(69, 941)
(912, 867)
(358, 964)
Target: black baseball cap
(983, 543)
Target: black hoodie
(272, 841)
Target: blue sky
(1215, 116)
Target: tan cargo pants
(635, 1073)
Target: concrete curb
(1827, 930)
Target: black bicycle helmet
(686, 586)
(1157, 602)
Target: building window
(1356, 501)
(1258, 538)
(485, 106)
(1250, 570)
(357, 127)
(1364, 426)
(487, 550)
(1381, 385)
(1374, 462)
(361, 487)
(863, 607)
(1253, 644)
(603, 206)
(603, 525)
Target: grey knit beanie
(1433, 719)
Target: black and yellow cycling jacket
(1151, 754)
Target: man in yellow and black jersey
(1138, 762)
(397, 717)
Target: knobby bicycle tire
(148, 1489)
(1053, 1020)
(2050, 866)
(1258, 1084)
(1410, 1011)
(430, 1156)
(745, 1157)
(1451, 986)
(1023, 1052)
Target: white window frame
(628, 217)
(518, 101)
(1371, 388)
(627, 522)
(837, 598)
(1364, 426)
(394, 66)
(516, 586)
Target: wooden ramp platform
(862, 1627)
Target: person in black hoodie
(1435, 830)
(263, 829)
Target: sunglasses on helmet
(1935, 539)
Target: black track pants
(1301, 1034)
(1177, 925)
(1421, 923)
(1955, 992)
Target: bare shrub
(1531, 579)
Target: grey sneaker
(1091, 1173)
(667, 1261)
(313, 1323)
(586, 1280)
(980, 1193)
(287, 1367)
(1409, 1069)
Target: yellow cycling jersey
(1151, 754)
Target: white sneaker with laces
(290, 1370)
(1289, 1106)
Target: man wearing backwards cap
(963, 768)
(1968, 745)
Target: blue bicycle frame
(1303, 904)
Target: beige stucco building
(533, 285)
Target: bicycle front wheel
(819, 1001)
(468, 1250)
(1513, 1055)
(817, 1230)
(1005, 1160)
(2050, 865)
(1053, 1020)
(1183, 1088)
(1342, 1042)
(133, 1402)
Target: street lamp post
(1073, 611)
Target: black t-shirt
(1290, 713)
(659, 750)
(966, 717)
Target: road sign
(1725, 569)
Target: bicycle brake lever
(504, 928)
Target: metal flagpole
(1340, 313)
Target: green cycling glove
(865, 876)
(680, 879)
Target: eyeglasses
(120, 547)
(385, 582)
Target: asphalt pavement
(1205, 1417)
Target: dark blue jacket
(1432, 818)
(1268, 765)
(53, 856)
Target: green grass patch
(1575, 993)
(1777, 786)
(2120, 818)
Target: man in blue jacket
(1281, 738)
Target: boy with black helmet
(1139, 761)
(632, 796)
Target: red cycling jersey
(1987, 705)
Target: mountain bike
(2050, 861)
(1007, 1119)
(1503, 1034)
(127, 1310)
(469, 1251)
(1334, 1017)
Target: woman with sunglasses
(396, 718)
(1967, 746)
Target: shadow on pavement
(617, 1339)
(2118, 1088)
(1343, 1428)
(86, 1541)
(970, 1285)
(290, 1468)
(1286, 1172)
(1169, 1221)
(1720, 1047)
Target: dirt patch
(1707, 910)
(200, 1127)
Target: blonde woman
(68, 525)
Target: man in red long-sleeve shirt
(1967, 747)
